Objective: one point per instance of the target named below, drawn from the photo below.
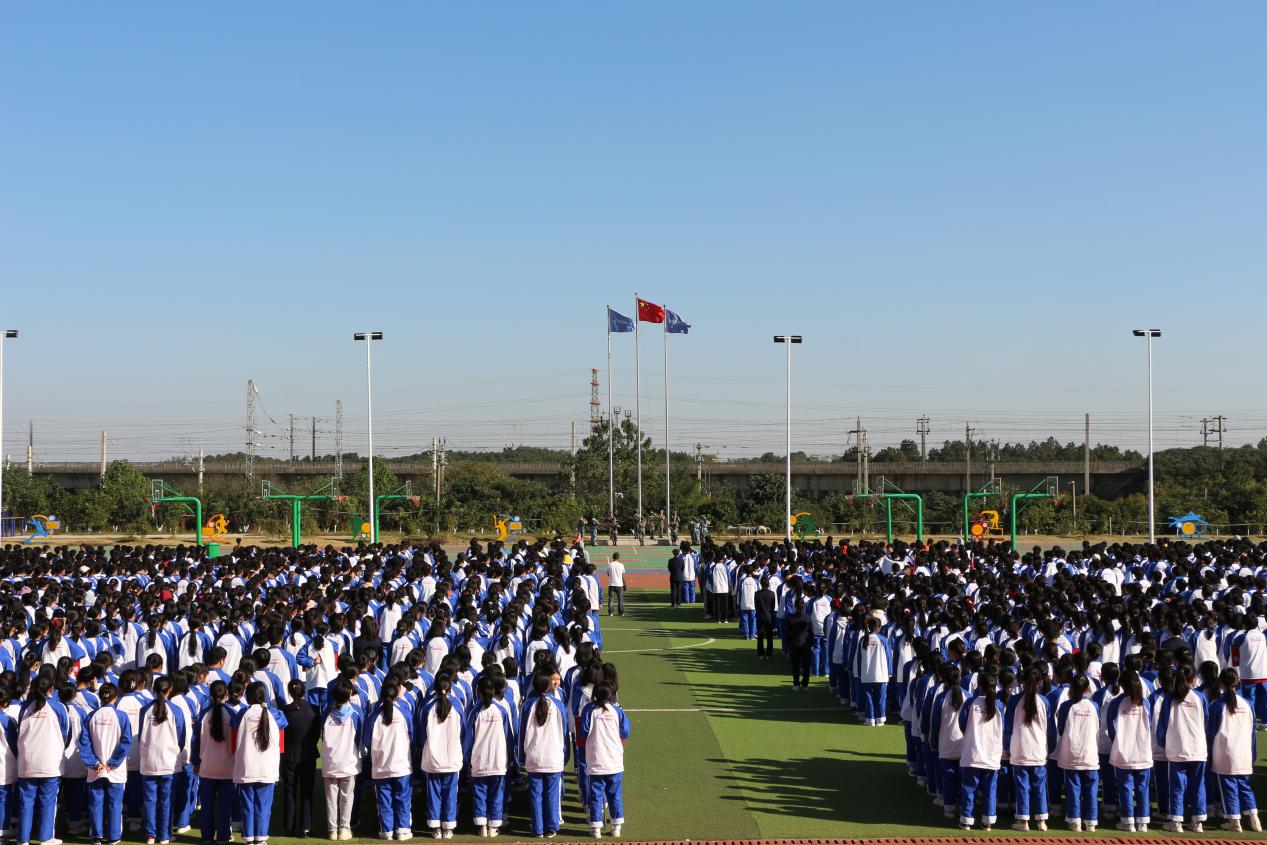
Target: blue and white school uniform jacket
(982, 746)
(214, 758)
(72, 765)
(1027, 742)
(602, 731)
(441, 741)
(1130, 730)
(1232, 739)
(106, 738)
(162, 744)
(1077, 728)
(341, 735)
(1181, 728)
(489, 740)
(8, 749)
(543, 749)
(872, 660)
(388, 745)
(1247, 651)
(42, 737)
(251, 764)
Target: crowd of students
(1106, 680)
(151, 689)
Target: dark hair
(1033, 680)
(107, 693)
(950, 674)
(1182, 683)
(1230, 680)
(257, 693)
(1078, 687)
(195, 626)
(441, 692)
(162, 689)
(1132, 687)
(219, 691)
(295, 689)
(988, 683)
(540, 684)
(387, 701)
(602, 694)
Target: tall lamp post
(1152, 516)
(369, 338)
(788, 340)
(9, 334)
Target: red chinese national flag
(649, 312)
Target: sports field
(723, 748)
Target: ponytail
(219, 691)
(162, 689)
(988, 682)
(257, 694)
(602, 694)
(540, 684)
(1033, 679)
(953, 680)
(1182, 684)
(40, 691)
(195, 626)
(388, 703)
(1078, 687)
(1230, 680)
(443, 705)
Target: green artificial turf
(723, 748)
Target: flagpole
(668, 490)
(638, 397)
(611, 428)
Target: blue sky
(964, 208)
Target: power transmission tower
(596, 406)
(968, 431)
(1205, 431)
(922, 429)
(699, 461)
(1220, 426)
(338, 439)
(250, 430)
(860, 457)
(314, 438)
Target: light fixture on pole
(369, 337)
(1152, 516)
(788, 339)
(9, 334)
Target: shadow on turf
(829, 789)
(759, 700)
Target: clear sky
(964, 208)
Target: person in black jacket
(800, 644)
(677, 578)
(299, 760)
(766, 607)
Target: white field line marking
(708, 641)
(732, 709)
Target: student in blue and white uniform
(1181, 731)
(981, 754)
(1077, 727)
(389, 734)
(872, 667)
(601, 733)
(213, 760)
(161, 740)
(543, 754)
(489, 748)
(43, 732)
(1233, 749)
(1129, 722)
(341, 736)
(103, 748)
(257, 732)
(439, 733)
(1026, 741)
(8, 763)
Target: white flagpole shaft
(638, 398)
(611, 429)
(788, 502)
(668, 487)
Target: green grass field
(723, 748)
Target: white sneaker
(616, 830)
(1129, 827)
(493, 831)
(1233, 825)
(1254, 824)
(597, 831)
(1196, 827)
(484, 827)
(448, 833)
(1075, 825)
(334, 836)
(345, 833)
(404, 834)
(1041, 824)
(1141, 827)
(1088, 826)
(1020, 824)
(1172, 827)
(182, 829)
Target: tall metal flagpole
(668, 488)
(611, 428)
(638, 399)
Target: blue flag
(617, 322)
(673, 324)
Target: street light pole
(788, 340)
(369, 338)
(1152, 516)
(8, 334)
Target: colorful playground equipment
(161, 492)
(507, 526)
(1190, 526)
(42, 527)
(987, 522)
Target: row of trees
(1228, 487)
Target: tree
(126, 497)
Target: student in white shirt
(388, 735)
(1233, 748)
(257, 732)
(341, 759)
(439, 732)
(103, 748)
(43, 731)
(1078, 754)
(601, 733)
(981, 754)
(616, 584)
(1129, 721)
(873, 666)
(8, 762)
(161, 739)
(1181, 732)
(543, 753)
(489, 748)
(213, 760)
(1025, 741)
